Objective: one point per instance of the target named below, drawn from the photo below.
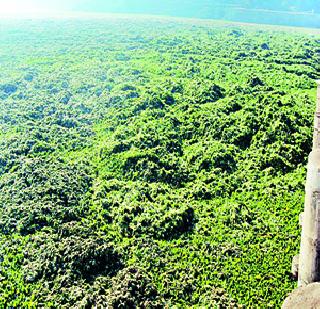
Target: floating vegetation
(147, 163)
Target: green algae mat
(152, 163)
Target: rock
(295, 267)
(306, 297)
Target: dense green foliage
(149, 163)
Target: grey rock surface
(306, 297)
